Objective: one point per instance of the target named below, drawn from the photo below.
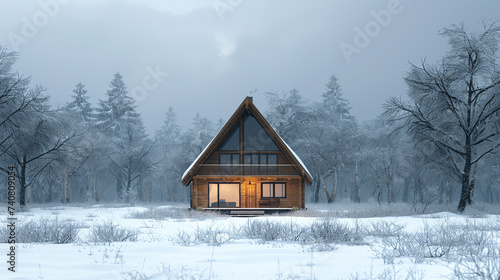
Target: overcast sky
(206, 56)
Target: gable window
(255, 137)
(265, 164)
(226, 160)
(273, 190)
(232, 142)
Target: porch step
(246, 213)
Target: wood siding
(251, 190)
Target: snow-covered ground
(159, 252)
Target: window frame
(218, 193)
(233, 132)
(260, 167)
(229, 168)
(273, 189)
(247, 144)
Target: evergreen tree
(171, 159)
(80, 105)
(118, 108)
(129, 149)
(332, 138)
(335, 107)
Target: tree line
(438, 144)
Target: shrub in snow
(440, 240)
(327, 230)
(482, 265)
(45, 230)
(263, 230)
(211, 235)
(107, 232)
(160, 213)
(385, 228)
(412, 273)
(183, 238)
(428, 242)
(167, 272)
(215, 236)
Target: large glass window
(225, 195)
(232, 142)
(226, 160)
(273, 190)
(255, 138)
(266, 164)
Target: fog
(211, 53)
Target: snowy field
(364, 241)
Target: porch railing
(247, 169)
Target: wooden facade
(247, 165)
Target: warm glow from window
(224, 195)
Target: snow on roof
(286, 144)
(197, 158)
(295, 155)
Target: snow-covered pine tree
(128, 147)
(334, 105)
(335, 126)
(80, 106)
(118, 108)
(171, 161)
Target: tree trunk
(472, 185)
(119, 192)
(449, 193)
(441, 193)
(150, 193)
(167, 191)
(316, 190)
(94, 188)
(129, 185)
(464, 194)
(489, 193)
(358, 186)
(329, 197)
(406, 190)
(334, 184)
(346, 197)
(389, 182)
(318, 181)
(22, 183)
(66, 186)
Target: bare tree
(37, 142)
(454, 106)
(14, 98)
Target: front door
(250, 195)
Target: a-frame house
(247, 165)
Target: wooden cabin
(248, 166)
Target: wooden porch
(249, 212)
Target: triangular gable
(223, 138)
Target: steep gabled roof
(246, 105)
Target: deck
(249, 212)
